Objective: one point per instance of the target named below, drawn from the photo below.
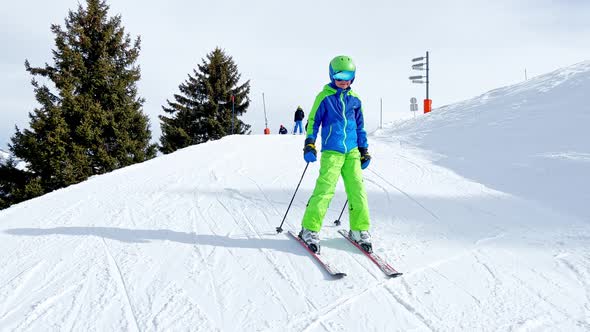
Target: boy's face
(342, 84)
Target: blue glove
(309, 152)
(365, 158)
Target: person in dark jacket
(282, 130)
(299, 115)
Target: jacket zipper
(345, 121)
(329, 133)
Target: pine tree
(17, 185)
(208, 105)
(94, 123)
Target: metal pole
(280, 228)
(337, 222)
(264, 105)
(381, 122)
(427, 76)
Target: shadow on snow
(149, 235)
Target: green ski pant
(332, 165)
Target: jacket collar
(333, 88)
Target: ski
(329, 268)
(382, 264)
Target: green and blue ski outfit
(339, 113)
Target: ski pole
(337, 221)
(280, 228)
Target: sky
(284, 48)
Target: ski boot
(311, 238)
(363, 238)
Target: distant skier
(338, 110)
(282, 130)
(299, 115)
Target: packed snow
(480, 204)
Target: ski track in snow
(406, 194)
(322, 313)
(22, 281)
(413, 310)
(217, 299)
(251, 229)
(118, 277)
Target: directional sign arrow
(417, 81)
(418, 59)
(416, 77)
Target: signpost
(419, 66)
(413, 106)
(419, 79)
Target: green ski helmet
(342, 68)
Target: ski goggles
(343, 75)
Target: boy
(339, 112)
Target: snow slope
(529, 139)
(187, 241)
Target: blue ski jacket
(340, 114)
